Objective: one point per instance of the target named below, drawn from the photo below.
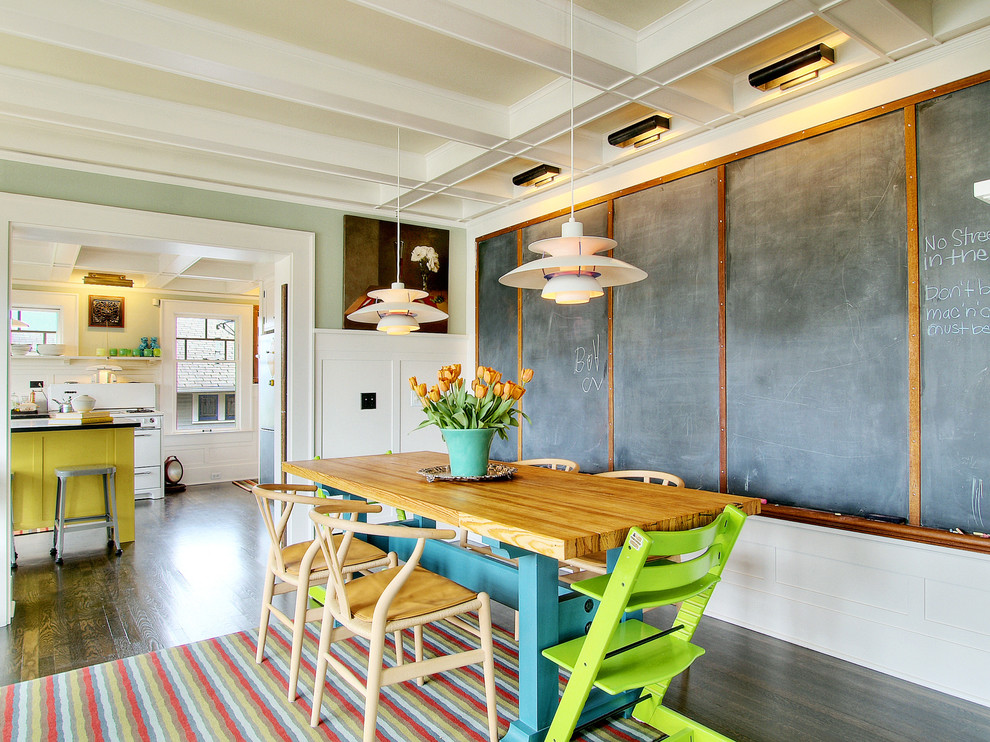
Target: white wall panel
(915, 611)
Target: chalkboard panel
(567, 347)
(498, 323)
(816, 322)
(665, 343)
(954, 227)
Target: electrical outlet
(36, 385)
(215, 475)
(369, 400)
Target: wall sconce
(642, 132)
(538, 176)
(107, 279)
(793, 70)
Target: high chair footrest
(652, 662)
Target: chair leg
(58, 504)
(266, 609)
(399, 653)
(373, 687)
(418, 640)
(298, 631)
(113, 511)
(485, 624)
(60, 523)
(320, 678)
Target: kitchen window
(42, 325)
(206, 367)
(205, 371)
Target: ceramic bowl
(50, 349)
(83, 403)
(19, 349)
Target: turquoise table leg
(538, 629)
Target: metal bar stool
(107, 519)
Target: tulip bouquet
(492, 403)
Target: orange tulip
(481, 373)
(526, 376)
(480, 390)
(444, 386)
(518, 392)
(434, 394)
(421, 390)
(413, 383)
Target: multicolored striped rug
(213, 690)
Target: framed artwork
(370, 263)
(106, 311)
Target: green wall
(327, 224)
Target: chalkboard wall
(665, 345)
(954, 153)
(566, 346)
(498, 323)
(816, 321)
(822, 378)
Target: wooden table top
(554, 513)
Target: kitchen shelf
(105, 359)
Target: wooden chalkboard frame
(912, 531)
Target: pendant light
(396, 310)
(572, 271)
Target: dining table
(532, 518)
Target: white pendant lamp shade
(396, 310)
(574, 272)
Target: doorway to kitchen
(170, 242)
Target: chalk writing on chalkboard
(588, 363)
(961, 307)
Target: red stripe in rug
(259, 703)
(51, 718)
(8, 713)
(136, 715)
(172, 697)
(208, 688)
(92, 707)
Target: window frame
(245, 413)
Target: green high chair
(619, 655)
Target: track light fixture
(793, 70)
(641, 133)
(538, 176)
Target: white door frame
(297, 247)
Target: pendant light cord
(398, 194)
(572, 108)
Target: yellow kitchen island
(38, 446)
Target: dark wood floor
(196, 569)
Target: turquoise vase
(468, 450)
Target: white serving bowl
(50, 349)
(83, 403)
(19, 349)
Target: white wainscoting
(918, 612)
(350, 363)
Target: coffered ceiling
(302, 100)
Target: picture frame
(370, 264)
(106, 311)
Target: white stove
(134, 401)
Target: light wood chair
(298, 566)
(590, 565)
(388, 601)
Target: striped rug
(213, 690)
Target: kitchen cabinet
(36, 450)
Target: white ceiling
(302, 99)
